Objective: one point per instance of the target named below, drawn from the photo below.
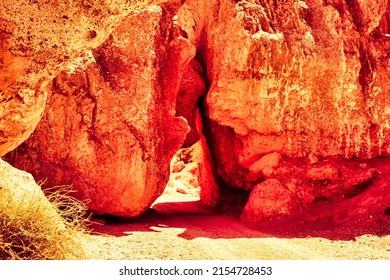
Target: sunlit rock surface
(305, 79)
(37, 39)
(109, 128)
(296, 77)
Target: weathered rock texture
(209, 189)
(303, 191)
(269, 199)
(288, 83)
(37, 39)
(110, 128)
(296, 77)
(292, 79)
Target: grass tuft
(35, 228)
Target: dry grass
(33, 228)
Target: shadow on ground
(343, 220)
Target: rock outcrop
(110, 128)
(37, 39)
(296, 77)
(269, 200)
(298, 188)
(292, 87)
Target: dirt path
(179, 228)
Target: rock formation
(110, 129)
(296, 77)
(269, 199)
(300, 78)
(286, 88)
(37, 39)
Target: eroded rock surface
(299, 188)
(269, 200)
(37, 39)
(296, 77)
(110, 128)
(303, 79)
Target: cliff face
(283, 87)
(297, 77)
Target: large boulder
(269, 200)
(293, 77)
(37, 39)
(110, 128)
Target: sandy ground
(179, 228)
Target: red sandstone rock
(300, 78)
(37, 39)
(110, 129)
(296, 77)
(209, 189)
(266, 164)
(326, 172)
(360, 182)
(269, 200)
